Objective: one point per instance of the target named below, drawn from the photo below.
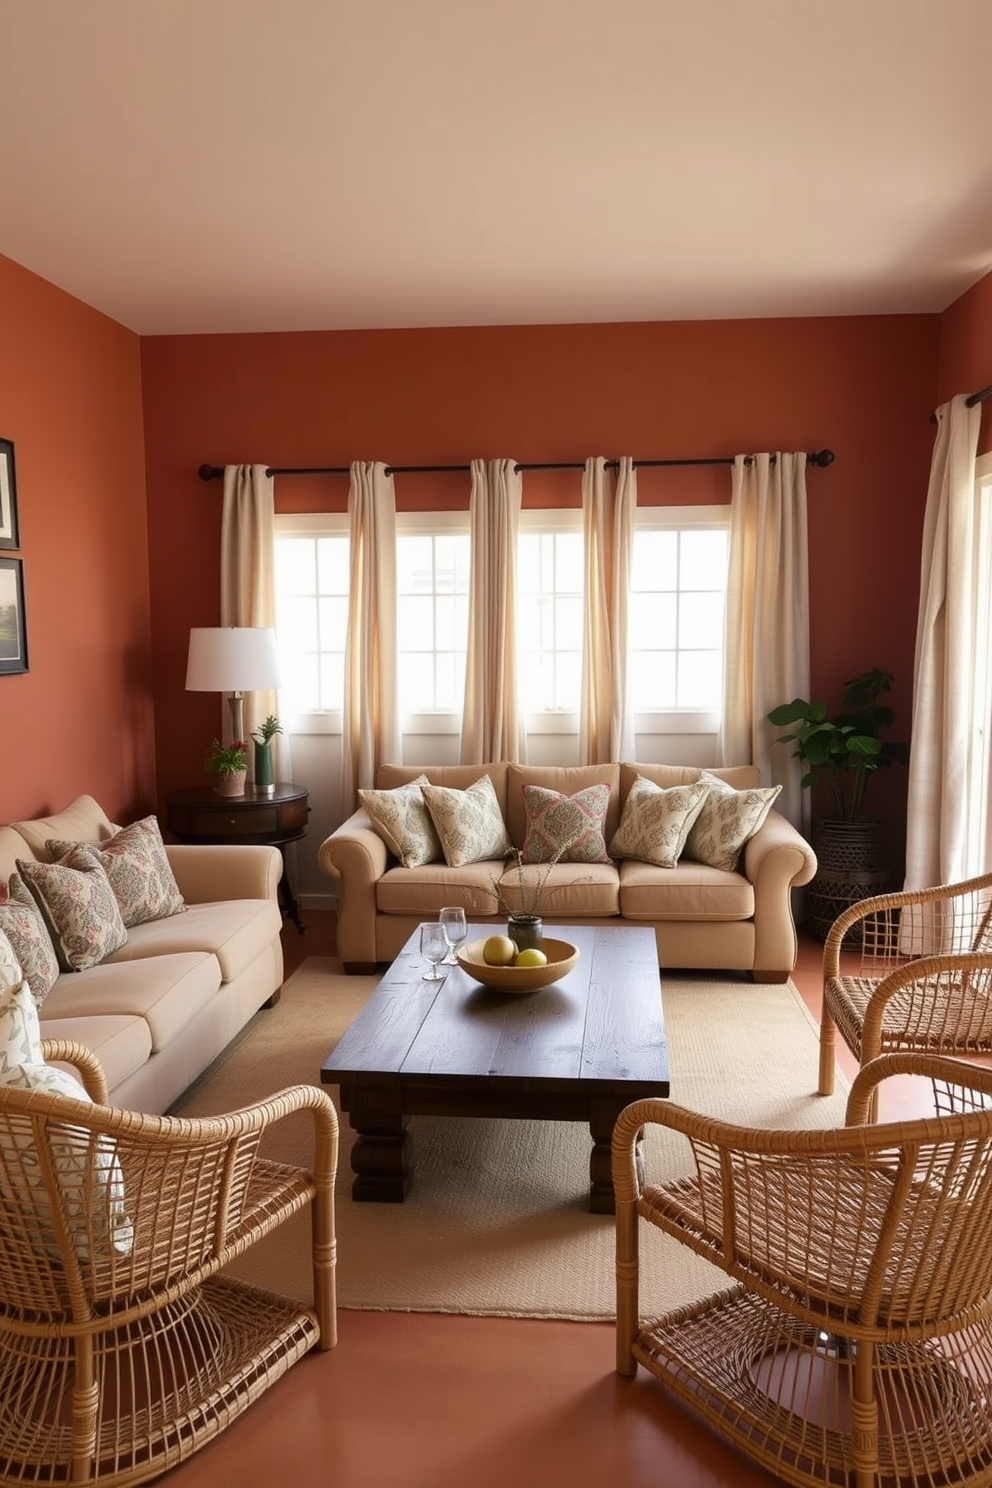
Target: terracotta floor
(426, 1401)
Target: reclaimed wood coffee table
(579, 1050)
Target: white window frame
(682, 518)
(313, 524)
(554, 520)
(442, 523)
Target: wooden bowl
(561, 954)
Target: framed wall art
(13, 626)
(8, 497)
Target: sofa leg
(271, 1001)
(770, 976)
(359, 968)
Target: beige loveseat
(164, 1004)
(703, 917)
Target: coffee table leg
(381, 1158)
(601, 1196)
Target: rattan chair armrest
(886, 902)
(954, 1072)
(84, 1062)
(919, 978)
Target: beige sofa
(702, 916)
(160, 1008)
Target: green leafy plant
(845, 750)
(267, 731)
(226, 759)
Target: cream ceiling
(238, 165)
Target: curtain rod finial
(210, 472)
(822, 457)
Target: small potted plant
(229, 762)
(264, 770)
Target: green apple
(531, 957)
(499, 950)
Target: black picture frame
(13, 622)
(9, 534)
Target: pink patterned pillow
(30, 940)
(566, 829)
(138, 868)
(78, 907)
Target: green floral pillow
(86, 1166)
(137, 865)
(468, 822)
(728, 820)
(656, 822)
(78, 907)
(401, 819)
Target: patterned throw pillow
(566, 828)
(468, 822)
(729, 818)
(78, 907)
(10, 967)
(87, 1167)
(25, 929)
(656, 822)
(403, 822)
(136, 863)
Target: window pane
(294, 566)
(676, 618)
(332, 565)
(701, 620)
(651, 677)
(432, 619)
(700, 678)
(654, 562)
(703, 559)
(651, 620)
(415, 623)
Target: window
(550, 586)
(432, 572)
(675, 616)
(311, 581)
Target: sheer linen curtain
(767, 623)
(606, 730)
(947, 770)
(247, 585)
(370, 733)
(492, 728)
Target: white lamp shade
(231, 658)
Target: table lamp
(235, 659)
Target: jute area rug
(496, 1222)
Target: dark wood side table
(200, 815)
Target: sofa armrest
(356, 855)
(777, 860)
(206, 872)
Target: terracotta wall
(70, 399)
(863, 386)
(966, 351)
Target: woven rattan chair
(910, 971)
(122, 1350)
(854, 1345)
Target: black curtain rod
(214, 472)
(971, 400)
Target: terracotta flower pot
(232, 783)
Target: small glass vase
(264, 776)
(526, 931)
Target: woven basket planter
(851, 866)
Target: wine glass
(452, 917)
(433, 947)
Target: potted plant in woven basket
(841, 753)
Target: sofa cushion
(236, 931)
(135, 862)
(729, 818)
(83, 1162)
(689, 891)
(30, 941)
(424, 891)
(83, 820)
(121, 1042)
(78, 906)
(656, 822)
(167, 991)
(566, 829)
(468, 822)
(402, 820)
(566, 780)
